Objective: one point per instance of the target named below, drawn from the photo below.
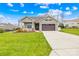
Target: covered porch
(32, 26)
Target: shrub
(1, 30)
(61, 25)
(20, 30)
(23, 30)
(17, 28)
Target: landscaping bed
(24, 44)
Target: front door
(36, 26)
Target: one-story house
(39, 23)
(71, 23)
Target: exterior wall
(56, 27)
(21, 24)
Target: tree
(61, 25)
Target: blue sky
(12, 12)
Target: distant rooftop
(74, 20)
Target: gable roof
(39, 17)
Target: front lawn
(71, 31)
(24, 44)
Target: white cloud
(59, 3)
(55, 12)
(1, 16)
(31, 12)
(67, 8)
(68, 13)
(5, 19)
(52, 12)
(12, 21)
(15, 10)
(24, 12)
(28, 12)
(43, 6)
(22, 5)
(75, 8)
(9, 4)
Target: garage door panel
(48, 27)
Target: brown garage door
(48, 27)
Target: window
(29, 25)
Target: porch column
(40, 26)
(33, 26)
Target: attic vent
(48, 19)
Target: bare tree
(62, 17)
(1, 19)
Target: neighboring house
(71, 23)
(7, 26)
(39, 23)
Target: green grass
(71, 31)
(24, 44)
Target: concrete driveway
(63, 44)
